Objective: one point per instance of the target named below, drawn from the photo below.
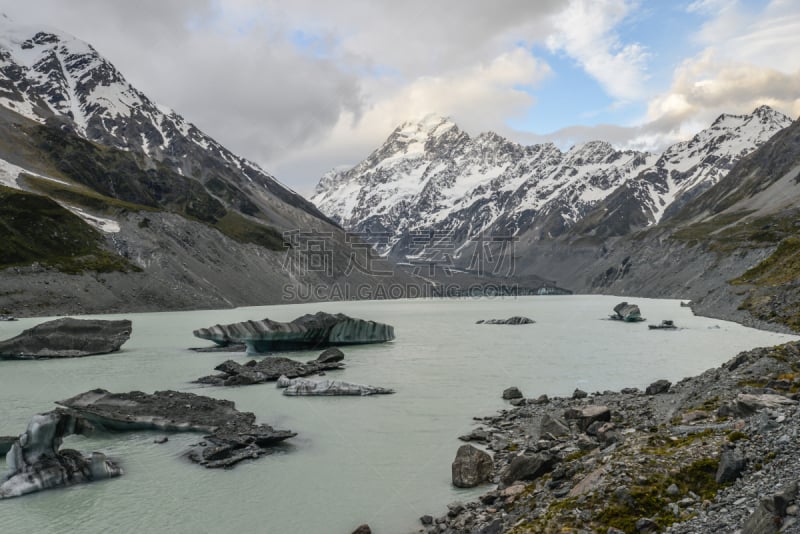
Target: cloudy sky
(302, 86)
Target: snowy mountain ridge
(432, 176)
(46, 73)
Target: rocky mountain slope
(132, 206)
(432, 177)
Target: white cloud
(586, 31)
(474, 97)
(747, 60)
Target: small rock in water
(161, 440)
(363, 529)
(512, 393)
(330, 355)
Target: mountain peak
(431, 125)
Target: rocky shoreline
(713, 453)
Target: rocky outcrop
(36, 461)
(67, 338)
(300, 387)
(471, 467)
(527, 467)
(642, 470)
(308, 331)
(511, 320)
(234, 435)
(267, 370)
(770, 515)
(629, 313)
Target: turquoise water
(381, 460)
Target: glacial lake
(382, 460)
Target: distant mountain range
(432, 176)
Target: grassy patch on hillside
(244, 230)
(781, 267)
(82, 197)
(37, 229)
(111, 181)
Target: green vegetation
(37, 229)
(244, 230)
(665, 445)
(651, 500)
(110, 181)
(737, 435)
(781, 267)
(83, 197)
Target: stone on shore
(308, 331)
(658, 387)
(67, 338)
(301, 387)
(553, 426)
(36, 461)
(233, 435)
(471, 467)
(512, 393)
(363, 529)
(527, 467)
(746, 404)
(587, 415)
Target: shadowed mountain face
(122, 186)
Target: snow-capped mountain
(430, 176)
(46, 73)
(683, 171)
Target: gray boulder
(512, 393)
(308, 331)
(331, 355)
(36, 461)
(731, 465)
(67, 338)
(657, 387)
(553, 426)
(471, 467)
(587, 415)
(527, 467)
